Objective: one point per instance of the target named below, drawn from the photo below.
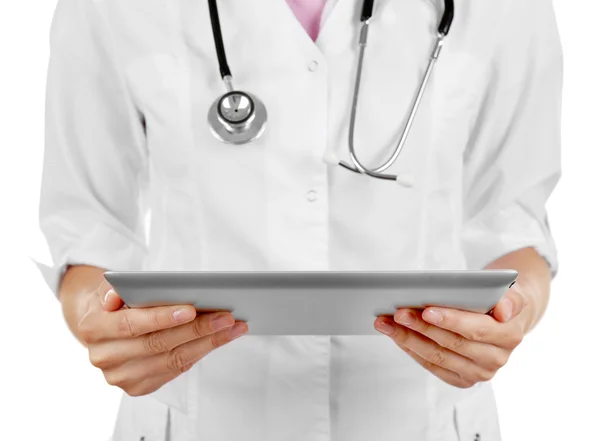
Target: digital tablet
(313, 303)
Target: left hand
(461, 348)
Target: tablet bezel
(318, 294)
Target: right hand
(139, 350)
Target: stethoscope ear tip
(406, 180)
(330, 158)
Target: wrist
(77, 290)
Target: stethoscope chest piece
(237, 117)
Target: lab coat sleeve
(512, 162)
(94, 170)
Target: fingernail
(508, 308)
(384, 327)
(237, 330)
(222, 321)
(405, 318)
(108, 294)
(184, 314)
(433, 316)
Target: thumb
(509, 307)
(110, 300)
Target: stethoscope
(239, 117)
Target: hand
(461, 348)
(139, 350)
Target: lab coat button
(311, 196)
(313, 66)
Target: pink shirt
(308, 13)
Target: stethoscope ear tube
(367, 10)
(447, 18)
(357, 166)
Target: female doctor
(146, 167)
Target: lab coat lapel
(268, 28)
(337, 30)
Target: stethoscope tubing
(443, 30)
(220, 128)
(218, 39)
(358, 166)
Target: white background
(548, 391)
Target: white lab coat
(133, 179)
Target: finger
(110, 354)
(437, 355)
(473, 326)
(488, 356)
(181, 357)
(147, 385)
(511, 305)
(449, 377)
(174, 362)
(131, 323)
(135, 385)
